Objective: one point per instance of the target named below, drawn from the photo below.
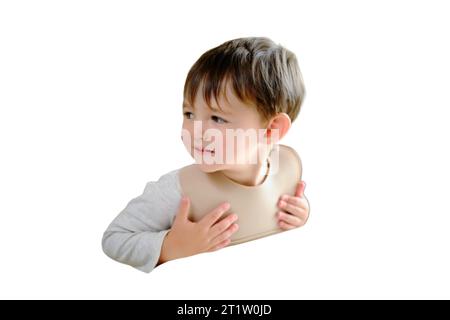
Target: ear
(280, 123)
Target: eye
(218, 119)
(188, 115)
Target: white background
(90, 110)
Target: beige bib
(256, 206)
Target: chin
(206, 166)
(209, 168)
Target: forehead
(227, 102)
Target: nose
(206, 133)
(201, 132)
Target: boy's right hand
(187, 238)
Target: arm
(132, 246)
(136, 235)
(165, 251)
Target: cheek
(220, 140)
(243, 152)
(239, 147)
(187, 134)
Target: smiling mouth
(204, 151)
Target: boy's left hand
(294, 209)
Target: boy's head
(251, 84)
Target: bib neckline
(268, 173)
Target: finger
(285, 226)
(214, 215)
(224, 243)
(289, 219)
(222, 225)
(183, 210)
(225, 235)
(300, 189)
(295, 201)
(295, 210)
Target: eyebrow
(187, 105)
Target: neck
(249, 174)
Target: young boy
(256, 85)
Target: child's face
(212, 136)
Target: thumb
(183, 210)
(300, 189)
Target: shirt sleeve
(136, 235)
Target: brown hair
(261, 72)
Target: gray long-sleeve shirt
(136, 235)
